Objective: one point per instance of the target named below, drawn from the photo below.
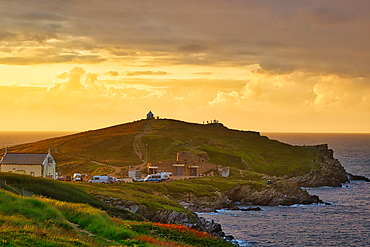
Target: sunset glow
(254, 65)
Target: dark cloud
(310, 35)
(39, 16)
(193, 48)
(6, 35)
(50, 60)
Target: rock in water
(352, 177)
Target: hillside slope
(243, 150)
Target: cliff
(331, 172)
(165, 216)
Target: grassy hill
(45, 222)
(242, 150)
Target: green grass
(229, 148)
(45, 222)
(153, 195)
(244, 150)
(62, 191)
(32, 222)
(160, 195)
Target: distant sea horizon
(12, 138)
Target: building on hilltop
(34, 164)
(150, 115)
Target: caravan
(103, 179)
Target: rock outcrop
(206, 204)
(352, 177)
(188, 219)
(282, 192)
(279, 192)
(332, 173)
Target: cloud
(307, 57)
(6, 35)
(50, 60)
(266, 102)
(113, 73)
(193, 48)
(314, 36)
(203, 73)
(147, 72)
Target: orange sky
(299, 66)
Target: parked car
(77, 177)
(103, 179)
(136, 179)
(68, 178)
(115, 180)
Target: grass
(62, 191)
(155, 196)
(244, 150)
(248, 155)
(158, 196)
(39, 221)
(32, 222)
(229, 148)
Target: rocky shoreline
(283, 191)
(189, 219)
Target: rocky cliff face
(279, 192)
(167, 216)
(332, 172)
(283, 193)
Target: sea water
(10, 138)
(344, 223)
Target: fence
(21, 192)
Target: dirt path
(77, 228)
(139, 146)
(117, 169)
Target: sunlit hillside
(161, 139)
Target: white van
(103, 179)
(158, 177)
(153, 178)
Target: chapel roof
(24, 158)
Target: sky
(266, 65)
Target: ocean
(344, 223)
(10, 138)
